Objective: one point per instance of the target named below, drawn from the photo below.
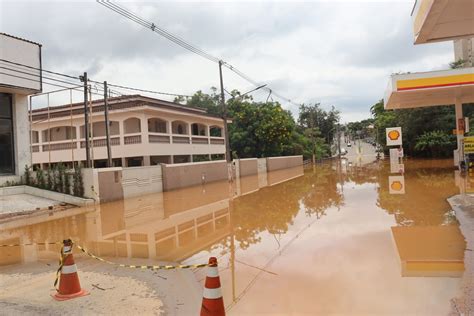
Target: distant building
(14, 91)
(143, 131)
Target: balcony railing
(61, 145)
(130, 139)
(217, 141)
(102, 142)
(200, 140)
(158, 138)
(133, 139)
(181, 140)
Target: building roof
(115, 103)
(21, 39)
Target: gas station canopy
(432, 88)
(441, 20)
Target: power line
(144, 90)
(37, 75)
(25, 78)
(186, 45)
(40, 69)
(94, 81)
(129, 15)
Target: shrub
(27, 176)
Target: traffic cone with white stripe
(212, 301)
(69, 286)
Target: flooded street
(324, 240)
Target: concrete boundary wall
(189, 174)
(247, 167)
(277, 163)
(138, 181)
(108, 184)
(56, 196)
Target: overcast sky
(338, 53)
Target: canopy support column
(458, 155)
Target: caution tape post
(69, 285)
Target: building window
(7, 161)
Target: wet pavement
(324, 240)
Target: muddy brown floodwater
(325, 240)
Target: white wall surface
(20, 52)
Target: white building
(143, 131)
(14, 91)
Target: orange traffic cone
(69, 286)
(212, 301)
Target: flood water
(325, 240)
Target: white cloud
(335, 52)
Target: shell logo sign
(396, 184)
(394, 136)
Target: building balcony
(127, 145)
(442, 20)
(432, 88)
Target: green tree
(435, 124)
(436, 143)
(312, 116)
(260, 129)
(209, 102)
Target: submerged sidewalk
(463, 206)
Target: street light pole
(224, 115)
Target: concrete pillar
(191, 158)
(190, 130)
(144, 130)
(124, 162)
(146, 160)
(121, 133)
(171, 159)
(459, 136)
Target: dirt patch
(26, 294)
(27, 288)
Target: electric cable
(181, 42)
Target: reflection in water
(430, 250)
(258, 217)
(428, 184)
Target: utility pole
(107, 131)
(311, 125)
(86, 121)
(339, 139)
(224, 116)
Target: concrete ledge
(61, 197)
(463, 206)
